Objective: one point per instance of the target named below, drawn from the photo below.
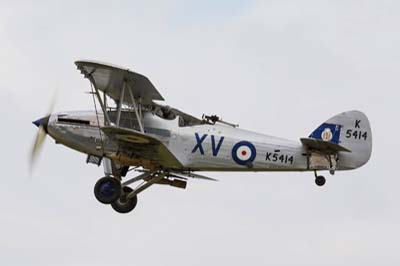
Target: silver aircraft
(130, 130)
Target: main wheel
(124, 205)
(320, 180)
(107, 189)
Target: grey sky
(276, 67)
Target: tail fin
(352, 131)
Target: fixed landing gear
(319, 179)
(123, 199)
(108, 190)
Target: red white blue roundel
(244, 152)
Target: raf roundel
(244, 152)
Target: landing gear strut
(319, 179)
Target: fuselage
(206, 147)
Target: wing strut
(103, 103)
(139, 118)
(120, 103)
(108, 121)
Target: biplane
(130, 130)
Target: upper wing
(143, 145)
(110, 79)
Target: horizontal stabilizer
(324, 146)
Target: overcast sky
(275, 67)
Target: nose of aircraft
(44, 121)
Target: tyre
(320, 181)
(124, 205)
(107, 190)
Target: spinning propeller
(42, 124)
